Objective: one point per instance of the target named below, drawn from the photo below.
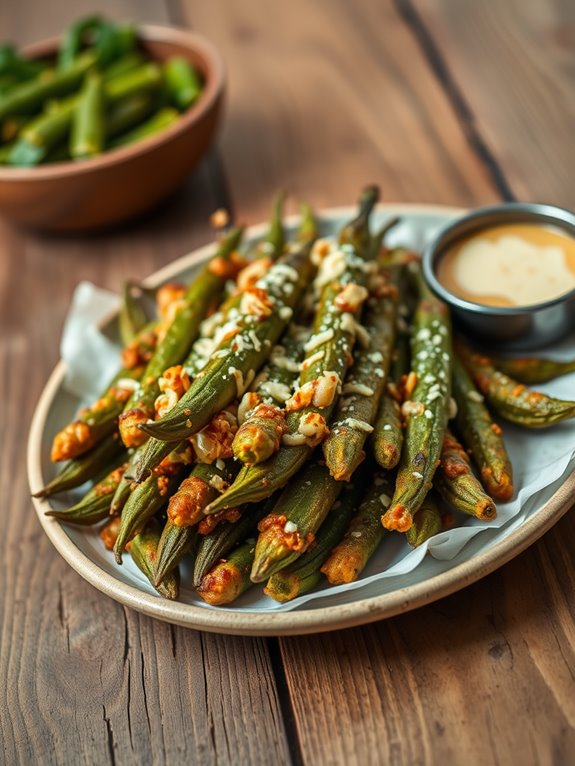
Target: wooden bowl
(122, 183)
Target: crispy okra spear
(303, 574)
(387, 437)
(458, 485)
(86, 467)
(509, 398)
(533, 370)
(143, 549)
(426, 411)
(100, 419)
(426, 522)
(126, 485)
(364, 534)
(96, 503)
(290, 528)
(482, 436)
(230, 577)
(259, 435)
(186, 509)
(199, 297)
(147, 498)
(265, 252)
(97, 421)
(364, 385)
(220, 541)
(265, 312)
(341, 278)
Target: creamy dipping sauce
(516, 264)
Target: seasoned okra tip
(102, 91)
(293, 408)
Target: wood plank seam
(463, 112)
(285, 701)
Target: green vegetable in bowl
(102, 92)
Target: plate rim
(251, 623)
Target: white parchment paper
(539, 458)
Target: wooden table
(444, 101)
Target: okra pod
(266, 312)
(143, 549)
(217, 543)
(482, 436)
(426, 522)
(229, 578)
(364, 534)
(511, 399)
(201, 294)
(97, 421)
(86, 467)
(533, 370)
(387, 437)
(364, 385)
(458, 485)
(147, 498)
(328, 356)
(426, 409)
(96, 503)
(293, 581)
(291, 526)
(185, 509)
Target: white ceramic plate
(429, 581)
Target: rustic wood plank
(513, 63)
(484, 676)
(85, 680)
(324, 97)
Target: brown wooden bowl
(122, 183)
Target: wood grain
(513, 63)
(484, 676)
(325, 97)
(85, 680)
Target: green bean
(87, 132)
(155, 124)
(143, 548)
(182, 81)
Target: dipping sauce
(516, 264)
